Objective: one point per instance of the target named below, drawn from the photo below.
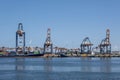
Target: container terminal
(48, 50)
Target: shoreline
(63, 56)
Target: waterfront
(60, 68)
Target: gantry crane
(105, 45)
(48, 46)
(86, 46)
(20, 40)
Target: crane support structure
(20, 40)
(105, 45)
(48, 46)
(86, 46)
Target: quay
(63, 55)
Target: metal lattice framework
(105, 45)
(20, 40)
(48, 46)
(86, 46)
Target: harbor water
(60, 68)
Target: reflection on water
(59, 68)
(60, 64)
(47, 65)
(20, 64)
(48, 68)
(106, 65)
(86, 65)
(19, 68)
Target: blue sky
(70, 21)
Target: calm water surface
(59, 68)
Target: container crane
(86, 46)
(105, 45)
(48, 46)
(20, 40)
